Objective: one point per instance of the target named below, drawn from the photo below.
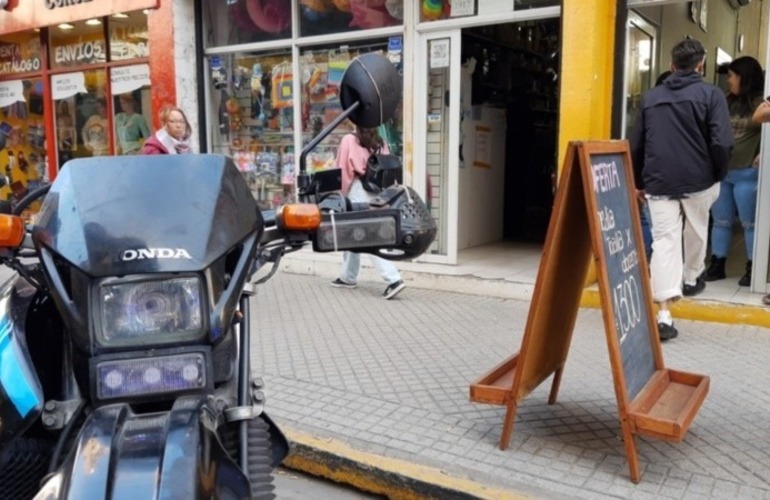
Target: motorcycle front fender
(175, 454)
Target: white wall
(481, 187)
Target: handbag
(382, 171)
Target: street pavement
(376, 393)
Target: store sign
(29, 14)
(53, 4)
(439, 53)
(67, 85)
(129, 78)
(11, 92)
(18, 58)
(88, 52)
(463, 8)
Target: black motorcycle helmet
(374, 82)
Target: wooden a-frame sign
(596, 213)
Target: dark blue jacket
(682, 138)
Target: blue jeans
(351, 262)
(738, 194)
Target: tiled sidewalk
(389, 380)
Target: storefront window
(22, 137)
(321, 17)
(77, 43)
(80, 124)
(246, 21)
(129, 37)
(252, 109)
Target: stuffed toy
(270, 16)
(370, 14)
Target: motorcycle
(125, 330)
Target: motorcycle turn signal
(299, 217)
(12, 231)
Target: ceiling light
(66, 26)
(93, 22)
(120, 15)
(146, 12)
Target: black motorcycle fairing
(21, 394)
(175, 454)
(141, 214)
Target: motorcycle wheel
(23, 463)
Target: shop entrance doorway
(508, 138)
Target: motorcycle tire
(23, 464)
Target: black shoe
(746, 278)
(667, 332)
(716, 270)
(693, 290)
(338, 283)
(393, 289)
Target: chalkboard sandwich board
(596, 213)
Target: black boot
(716, 270)
(746, 278)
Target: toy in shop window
(315, 11)
(233, 108)
(288, 171)
(217, 73)
(257, 93)
(270, 16)
(367, 15)
(282, 96)
(65, 127)
(338, 63)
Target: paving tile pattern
(392, 378)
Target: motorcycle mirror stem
(303, 178)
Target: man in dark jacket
(680, 147)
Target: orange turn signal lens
(11, 231)
(300, 217)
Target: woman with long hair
(738, 190)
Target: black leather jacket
(682, 138)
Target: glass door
(437, 136)
(640, 65)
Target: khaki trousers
(679, 240)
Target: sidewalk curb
(702, 310)
(394, 478)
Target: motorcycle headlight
(151, 312)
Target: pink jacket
(351, 158)
(152, 146)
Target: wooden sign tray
(494, 387)
(668, 403)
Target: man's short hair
(687, 54)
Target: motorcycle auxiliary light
(357, 230)
(131, 378)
